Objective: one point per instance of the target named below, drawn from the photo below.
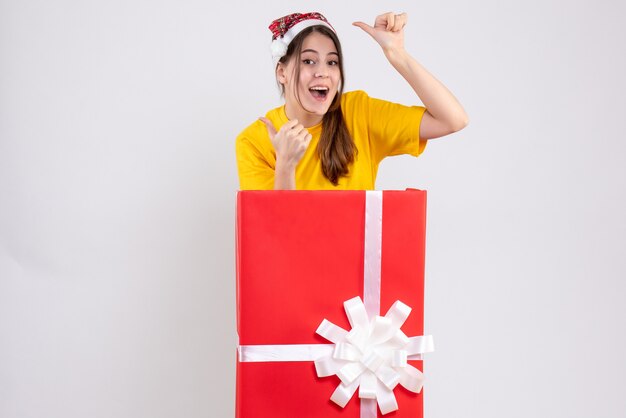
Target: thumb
(367, 28)
(270, 127)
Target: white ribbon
(372, 251)
(372, 356)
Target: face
(319, 79)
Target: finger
(381, 20)
(297, 130)
(271, 130)
(303, 145)
(367, 28)
(303, 135)
(400, 21)
(289, 125)
(287, 130)
(391, 20)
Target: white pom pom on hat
(279, 48)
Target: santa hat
(286, 28)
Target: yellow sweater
(378, 128)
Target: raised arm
(444, 114)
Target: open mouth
(319, 93)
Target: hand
(388, 30)
(290, 142)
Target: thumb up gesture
(388, 30)
(290, 142)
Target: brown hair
(336, 149)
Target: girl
(323, 138)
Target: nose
(321, 72)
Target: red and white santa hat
(285, 28)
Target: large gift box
(330, 301)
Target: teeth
(319, 88)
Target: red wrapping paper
(299, 257)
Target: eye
(308, 61)
(333, 62)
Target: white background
(118, 184)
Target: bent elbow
(459, 124)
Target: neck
(305, 118)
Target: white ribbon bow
(373, 355)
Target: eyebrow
(312, 50)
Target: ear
(281, 75)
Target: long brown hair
(336, 149)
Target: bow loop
(398, 313)
(382, 330)
(357, 315)
(346, 351)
